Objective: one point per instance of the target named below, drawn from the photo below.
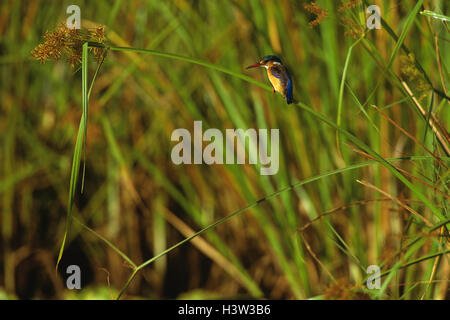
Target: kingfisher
(278, 76)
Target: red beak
(255, 65)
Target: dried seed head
(316, 9)
(68, 42)
(354, 30)
(348, 4)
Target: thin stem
(270, 196)
(123, 255)
(126, 285)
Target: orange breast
(276, 83)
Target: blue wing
(289, 98)
(281, 73)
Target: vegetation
(86, 176)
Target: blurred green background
(135, 197)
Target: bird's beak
(255, 65)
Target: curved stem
(270, 196)
(127, 284)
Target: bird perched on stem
(278, 76)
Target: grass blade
(254, 204)
(78, 148)
(435, 15)
(341, 92)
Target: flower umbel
(316, 9)
(348, 4)
(69, 42)
(354, 30)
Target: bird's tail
(290, 99)
(289, 93)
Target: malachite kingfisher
(278, 76)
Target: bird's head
(266, 62)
